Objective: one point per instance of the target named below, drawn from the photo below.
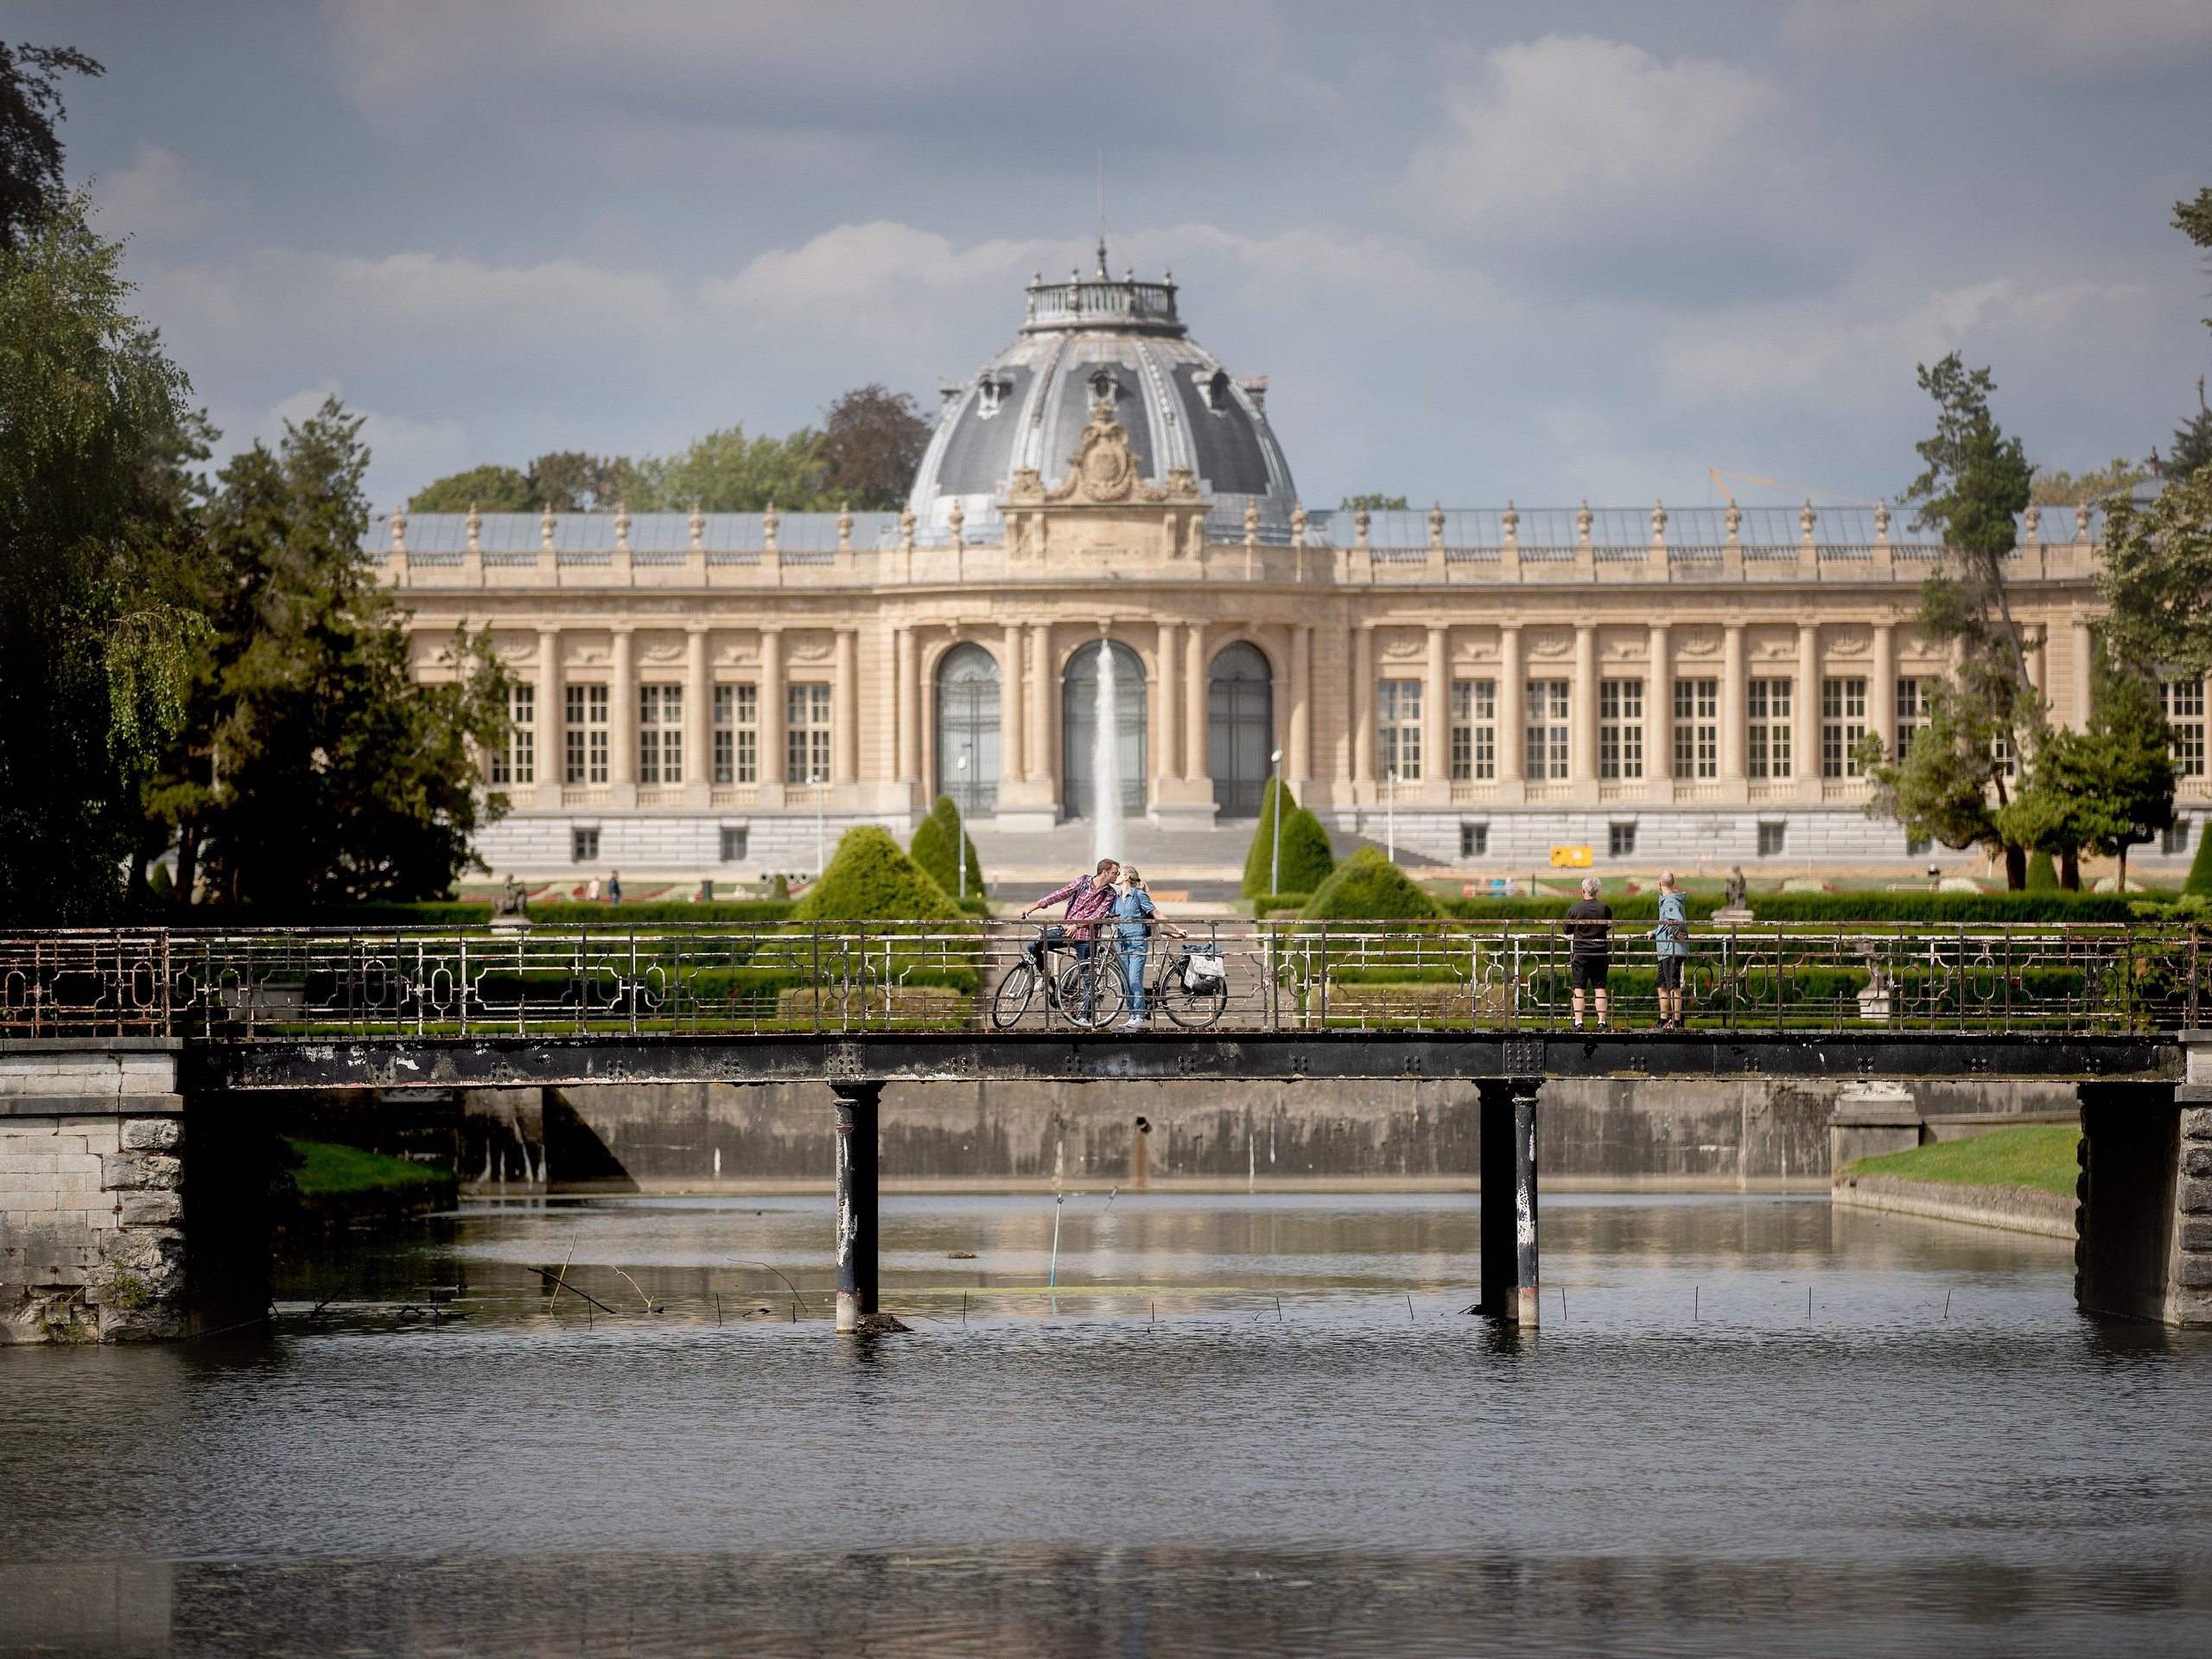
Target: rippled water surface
(1240, 1424)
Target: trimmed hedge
(2060, 906)
(1368, 886)
(871, 879)
(935, 838)
(1306, 859)
(454, 914)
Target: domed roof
(1086, 340)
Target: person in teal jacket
(1673, 938)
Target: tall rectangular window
(660, 733)
(1474, 841)
(806, 734)
(516, 761)
(2181, 701)
(587, 734)
(1620, 728)
(1774, 840)
(1843, 727)
(1697, 728)
(1474, 730)
(1912, 713)
(1397, 729)
(737, 733)
(1768, 728)
(1543, 746)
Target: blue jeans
(1133, 961)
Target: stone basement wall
(92, 1236)
(2192, 1291)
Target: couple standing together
(1590, 926)
(1111, 892)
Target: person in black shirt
(1589, 926)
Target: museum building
(713, 694)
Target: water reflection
(1242, 1424)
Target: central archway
(1240, 730)
(968, 723)
(1078, 726)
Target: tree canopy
(872, 444)
(31, 183)
(1373, 504)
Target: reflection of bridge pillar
(856, 1201)
(1499, 1269)
(1526, 1312)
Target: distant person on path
(1086, 901)
(1134, 919)
(615, 889)
(591, 891)
(1590, 926)
(1673, 939)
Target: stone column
(1193, 690)
(1013, 707)
(1734, 747)
(1659, 715)
(2084, 650)
(1363, 707)
(844, 712)
(1300, 758)
(2036, 646)
(1044, 694)
(1436, 718)
(552, 719)
(1806, 739)
(907, 691)
(622, 719)
(698, 724)
(771, 717)
(1168, 739)
(1345, 728)
(1882, 690)
(1512, 716)
(1582, 742)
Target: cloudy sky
(1480, 251)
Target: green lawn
(2035, 1154)
(333, 1169)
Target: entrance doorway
(968, 724)
(1240, 730)
(1079, 728)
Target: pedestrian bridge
(140, 1044)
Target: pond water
(1238, 1424)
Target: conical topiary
(935, 838)
(1367, 886)
(2043, 874)
(1307, 860)
(869, 879)
(1259, 857)
(2200, 868)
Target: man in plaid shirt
(1090, 899)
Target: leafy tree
(2192, 448)
(1940, 790)
(869, 879)
(1373, 504)
(2156, 575)
(727, 472)
(569, 480)
(316, 768)
(96, 443)
(31, 187)
(488, 488)
(2056, 487)
(935, 838)
(872, 444)
(2130, 780)
(1368, 886)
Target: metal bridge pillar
(856, 1201)
(1499, 1270)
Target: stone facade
(703, 693)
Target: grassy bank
(2038, 1155)
(329, 1171)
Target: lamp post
(1390, 813)
(1274, 862)
(960, 821)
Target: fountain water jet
(1105, 763)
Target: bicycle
(1085, 989)
(1190, 987)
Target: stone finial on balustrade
(958, 521)
(399, 530)
(1359, 522)
(698, 529)
(1583, 520)
(621, 527)
(1882, 519)
(1298, 522)
(1734, 518)
(1658, 523)
(845, 528)
(1511, 522)
(768, 523)
(2082, 522)
(1805, 522)
(905, 530)
(2032, 520)
(1436, 526)
(1251, 524)
(545, 523)
(475, 523)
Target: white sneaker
(1135, 1022)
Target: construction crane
(1716, 475)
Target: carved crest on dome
(1103, 471)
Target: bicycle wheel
(1016, 986)
(1192, 1010)
(1090, 992)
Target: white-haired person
(1589, 958)
(1672, 938)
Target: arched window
(968, 725)
(1240, 730)
(1079, 699)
